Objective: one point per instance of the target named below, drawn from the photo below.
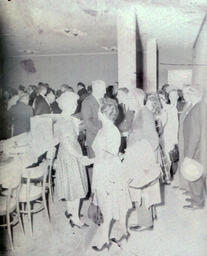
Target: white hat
(67, 101)
(191, 169)
(98, 83)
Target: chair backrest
(35, 174)
(12, 192)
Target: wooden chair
(10, 208)
(49, 183)
(33, 190)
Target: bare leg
(101, 237)
(73, 208)
(144, 217)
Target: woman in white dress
(70, 173)
(171, 128)
(110, 191)
(141, 169)
(170, 131)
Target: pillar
(150, 65)
(199, 76)
(126, 42)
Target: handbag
(94, 213)
(174, 154)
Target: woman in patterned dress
(70, 173)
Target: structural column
(150, 65)
(199, 76)
(126, 41)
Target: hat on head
(191, 170)
(67, 100)
(98, 83)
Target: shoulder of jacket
(89, 98)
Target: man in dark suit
(50, 98)
(20, 114)
(195, 144)
(40, 104)
(32, 94)
(82, 93)
(89, 112)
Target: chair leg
(50, 184)
(50, 198)
(51, 192)
(23, 215)
(45, 205)
(154, 212)
(29, 217)
(19, 217)
(4, 221)
(9, 230)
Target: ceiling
(55, 27)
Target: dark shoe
(68, 215)
(102, 248)
(189, 200)
(124, 236)
(116, 241)
(193, 206)
(73, 224)
(175, 186)
(139, 229)
(186, 193)
(134, 228)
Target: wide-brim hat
(191, 170)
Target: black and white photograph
(103, 127)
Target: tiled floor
(177, 232)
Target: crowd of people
(117, 146)
(19, 105)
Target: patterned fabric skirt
(110, 188)
(165, 165)
(71, 177)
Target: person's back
(41, 106)
(21, 114)
(82, 95)
(89, 112)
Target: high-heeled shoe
(124, 236)
(115, 241)
(139, 228)
(68, 215)
(77, 224)
(106, 245)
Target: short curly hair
(109, 107)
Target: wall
(170, 60)
(57, 70)
(164, 74)
(179, 77)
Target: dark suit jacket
(32, 97)
(20, 114)
(192, 132)
(125, 119)
(41, 106)
(83, 93)
(89, 113)
(195, 134)
(55, 108)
